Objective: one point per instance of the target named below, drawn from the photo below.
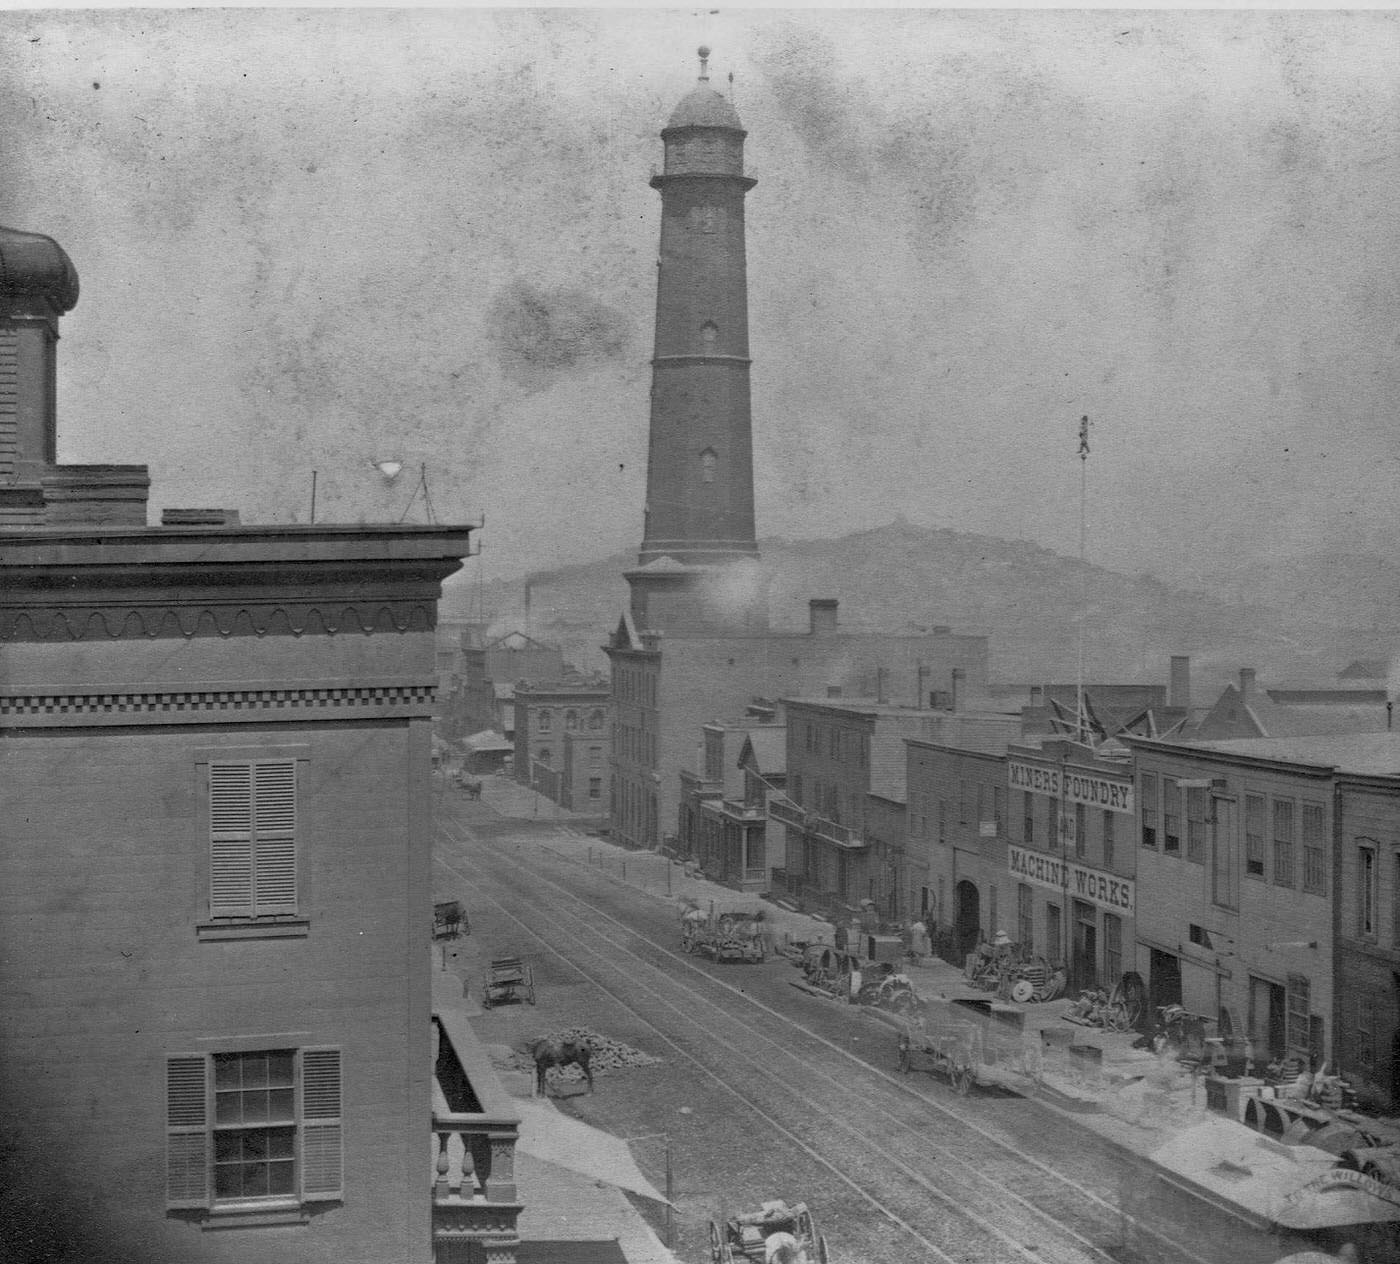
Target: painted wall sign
(1074, 785)
(1055, 873)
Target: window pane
(281, 1178)
(254, 1180)
(254, 1106)
(227, 1069)
(279, 1068)
(228, 1108)
(254, 1070)
(280, 1104)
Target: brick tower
(698, 564)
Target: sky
(318, 239)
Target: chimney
(1246, 683)
(919, 695)
(958, 675)
(821, 612)
(1179, 685)
(880, 673)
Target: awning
(549, 1134)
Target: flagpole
(1080, 718)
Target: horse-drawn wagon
(775, 1234)
(724, 936)
(508, 979)
(450, 920)
(962, 1043)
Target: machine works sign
(1073, 785)
(1107, 890)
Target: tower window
(708, 461)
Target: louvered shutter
(322, 1151)
(275, 847)
(187, 1131)
(230, 840)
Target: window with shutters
(252, 841)
(252, 1131)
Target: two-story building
(1236, 863)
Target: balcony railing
(786, 812)
(738, 810)
(474, 1131)
(841, 835)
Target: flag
(1083, 437)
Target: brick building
(563, 736)
(215, 775)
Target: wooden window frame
(191, 1125)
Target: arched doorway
(969, 923)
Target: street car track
(1105, 1216)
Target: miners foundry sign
(1074, 785)
(1055, 873)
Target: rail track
(946, 1184)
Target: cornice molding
(52, 708)
(170, 621)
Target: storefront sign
(1040, 869)
(1074, 785)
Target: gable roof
(765, 750)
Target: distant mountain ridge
(1025, 598)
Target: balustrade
(474, 1132)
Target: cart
(508, 979)
(450, 920)
(726, 937)
(955, 1041)
(743, 1237)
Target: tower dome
(35, 266)
(702, 106)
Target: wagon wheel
(905, 1060)
(821, 1249)
(1132, 992)
(716, 1245)
(962, 1080)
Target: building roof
(1370, 754)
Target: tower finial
(704, 63)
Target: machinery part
(1022, 991)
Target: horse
(548, 1052)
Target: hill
(1025, 598)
